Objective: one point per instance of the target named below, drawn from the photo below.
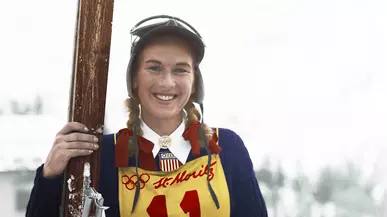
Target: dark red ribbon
(145, 155)
(191, 134)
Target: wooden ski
(80, 197)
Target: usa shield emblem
(168, 162)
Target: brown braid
(194, 115)
(133, 109)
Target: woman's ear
(193, 88)
(194, 84)
(134, 84)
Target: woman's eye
(155, 68)
(180, 70)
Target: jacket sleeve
(45, 197)
(248, 199)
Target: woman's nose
(167, 79)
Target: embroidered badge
(168, 162)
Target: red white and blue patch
(168, 162)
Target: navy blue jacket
(245, 196)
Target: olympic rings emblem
(130, 182)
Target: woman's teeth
(164, 98)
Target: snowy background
(303, 82)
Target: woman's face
(165, 79)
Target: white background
(298, 80)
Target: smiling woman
(166, 161)
(164, 81)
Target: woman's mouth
(163, 97)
